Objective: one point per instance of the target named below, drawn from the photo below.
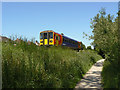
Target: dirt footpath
(92, 78)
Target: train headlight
(51, 41)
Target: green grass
(30, 66)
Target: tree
(104, 31)
(105, 36)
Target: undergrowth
(31, 66)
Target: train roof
(58, 33)
(69, 38)
(47, 31)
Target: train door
(57, 42)
(50, 38)
(41, 39)
(46, 38)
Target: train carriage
(51, 38)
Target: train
(51, 38)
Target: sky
(28, 19)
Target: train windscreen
(50, 34)
(41, 35)
(45, 35)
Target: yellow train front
(51, 38)
(46, 38)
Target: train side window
(56, 37)
(71, 41)
(59, 38)
(65, 40)
(75, 43)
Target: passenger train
(51, 38)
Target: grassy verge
(30, 66)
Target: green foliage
(31, 66)
(83, 46)
(105, 36)
(89, 47)
(104, 32)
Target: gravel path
(92, 78)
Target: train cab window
(45, 35)
(50, 34)
(41, 35)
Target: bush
(89, 47)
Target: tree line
(106, 42)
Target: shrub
(89, 47)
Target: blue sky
(71, 18)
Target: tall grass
(31, 66)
